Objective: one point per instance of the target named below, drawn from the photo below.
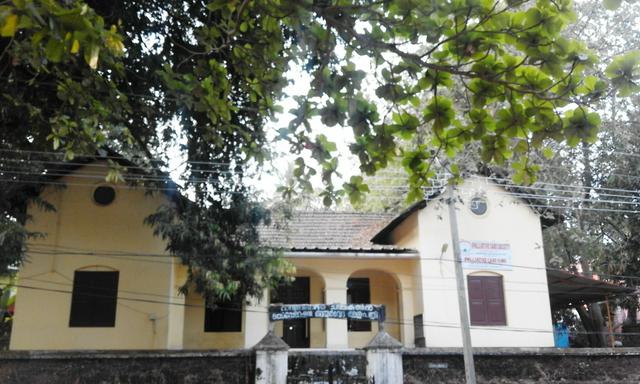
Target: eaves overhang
(352, 254)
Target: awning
(567, 289)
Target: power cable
(124, 255)
(246, 310)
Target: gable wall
(508, 220)
(77, 229)
(406, 234)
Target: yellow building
(100, 279)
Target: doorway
(294, 332)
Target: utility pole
(469, 368)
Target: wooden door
(486, 300)
(295, 332)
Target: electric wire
(439, 259)
(98, 156)
(135, 259)
(547, 197)
(12, 150)
(174, 189)
(428, 289)
(571, 188)
(431, 324)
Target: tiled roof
(325, 231)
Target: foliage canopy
(76, 76)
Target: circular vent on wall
(104, 195)
(478, 205)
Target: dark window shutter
(477, 310)
(486, 300)
(296, 292)
(94, 299)
(358, 292)
(494, 294)
(226, 317)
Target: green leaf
(328, 146)
(440, 111)
(391, 92)
(75, 46)
(624, 72)
(54, 50)
(592, 86)
(9, 26)
(355, 189)
(216, 5)
(331, 115)
(581, 125)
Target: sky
(299, 83)
(274, 173)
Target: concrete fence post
(384, 359)
(271, 360)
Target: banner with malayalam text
(328, 311)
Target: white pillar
(271, 360)
(384, 359)
(384, 366)
(256, 320)
(337, 331)
(271, 367)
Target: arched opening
(484, 273)
(308, 287)
(374, 287)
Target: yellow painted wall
(194, 335)
(83, 235)
(406, 234)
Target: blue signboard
(327, 311)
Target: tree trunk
(595, 313)
(599, 324)
(632, 316)
(593, 333)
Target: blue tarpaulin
(561, 335)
